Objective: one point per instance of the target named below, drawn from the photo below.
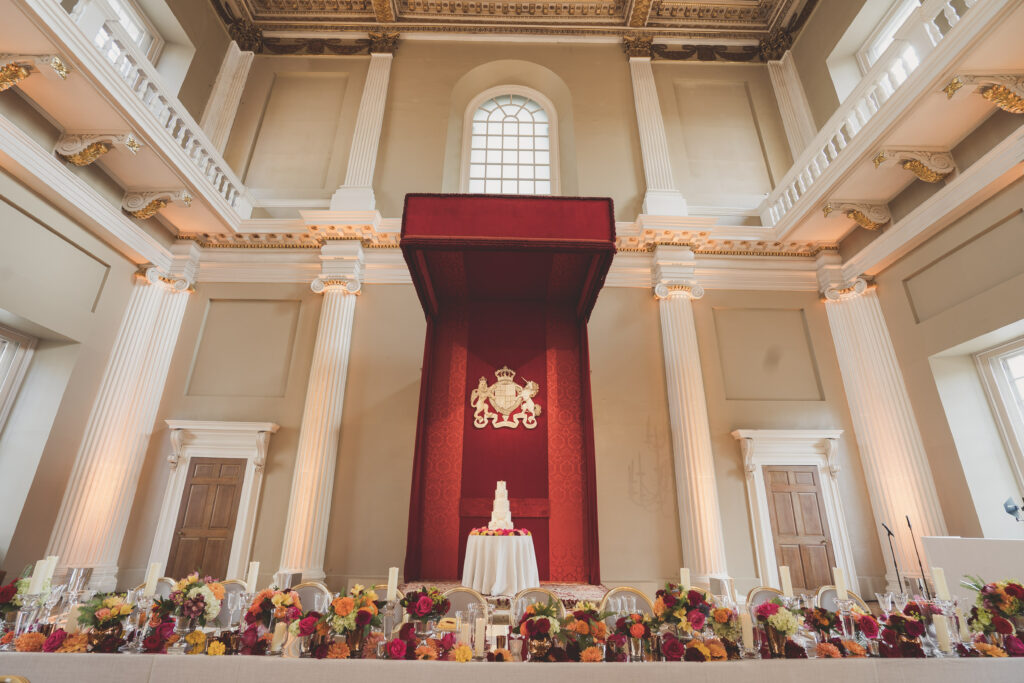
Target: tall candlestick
(840, 578)
(392, 584)
(787, 581)
(748, 630)
(942, 633)
(250, 582)
(151, 578)
(280, 631)
(684, 579)
(941, 587)
(38, 572)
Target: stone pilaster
(700, 520)
(98, 499)
(305, 536)
(219, 114)
(796, 113)
(892, 453)
(662, 197)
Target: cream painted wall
(62, 284)
(215, 309)
(778, 367)
(207, 35)
(725, 133)
(964, 282)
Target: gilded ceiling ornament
(1006, 91)
(639, 13)
(11, 74)
(773, 46)
(144, 205)
(89, 154)
(865, 214)
(637, 45)
(1004, 98)
(383, 11)
(384, 42)
(505, 402)
(952, 87)
(707, 53)
(248, 35)
(929, 166)
(81, 149)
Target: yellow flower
(371, 596)
(216, 649)
(659, 607)
(989, 650)
(426, 652)
(197, 640)
(591, 654)
(463, 653)
(358, 588)
(700, 647)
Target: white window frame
(100, 14)
(897, 15)
(1007, 406)
(523, 91)
(14, 361)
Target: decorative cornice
(316, 237)
(703, 243)
(314, 46)
(929, 166)
(639, 13)
(707, 53)
(383, 11)
(867, 215)
(849, 290)
(82, 149)
(144, 205)
(1006, 91)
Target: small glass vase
(776, 642)
(354, 640)
(182, 627)
(637, 649)
(425, 630)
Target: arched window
(510, 147)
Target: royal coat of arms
(505, 403)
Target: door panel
(206, 518)
(799, 525)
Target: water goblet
(885, 602)
(143, 604)
(900, 601)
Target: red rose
(8, 592)
(669, 600)
(308, 625)
(541, 626)
(1002, 626)
(868, 626)
(55, 640)
(407, 632)
(424, 606)
(695, 597)
(363, 617)
(672, 648)
(889, 636)
(915, 629)
(1014, 590)
(448, 641)
(696, 619)
(396, 649)
(1013, 646)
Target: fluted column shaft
(305, 537)
(662, 196)
(700, 521)
(98, 499)
(892, 452)
(221, 108)
(796, 113)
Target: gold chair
(826, 599)
(381, 589)
(13, 679)
(461, 597)
(164, 587)
(760, 595)
(643, 603)
(528, 596)
(309, 592)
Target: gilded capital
(1006, 91)
(248, 35)
(867, 215)
(637, 45)
(343, 285)
(384, 42)
(17, 68)
(83, 149)
(155, 276)
(690, 290)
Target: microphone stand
(920, 566)
(892, 550)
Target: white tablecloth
(84, 668)
(500, 565)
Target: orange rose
(722, 615)
(343, 606)
(636, 630)
(582, 627)
(9, 636)
(600, 630)
(530, 611)
(523, 631)
(659, 607)
(217, 589)
(717, 650)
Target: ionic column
(309, 507)
(700, 521)
(357, 192)
(219, 114)
(662, 198)
(892, 453)
(98, 499)
(796, 112)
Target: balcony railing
(918, 36)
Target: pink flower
(766, 609)
(55, 640)
(293, 613)
(424, 606)
(696, 619)
(448, 641)
(396, 649)
(1012, 644)
(102, 614)
(307, 626)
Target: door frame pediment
(793, 447)
(248, 441)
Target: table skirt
(500, 565)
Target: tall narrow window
(1002, 373)
(15, 353)
(137, 30)
(510, 147)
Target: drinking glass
(320, 602)
(462, 628)
(885, 602)
(900, 600)
(234, 602)
(477, 635)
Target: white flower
(784, 622)
(212, 603)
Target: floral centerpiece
(632, 639)
(195, 599)
(104, 616)
(779, 624)
(822, 620)
(425, 605)
(725, 624)
(998, 611)
(539, 625)
(583, 632)
(686, 611)
(901, 636)
(408, 646)
(353, 616)
(484, 531)
(269, 606)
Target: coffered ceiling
(711, 22)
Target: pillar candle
(392, 584)
(684, 579)
(464, 635)
(942, 633)
(72, 626)
(36, 582)
(941, 587)
(840, 578)
(787, 581)
(965, 631)
(280, 631)
(151, 579)
(51, 567)
(481, 637)
(250, 581)
(748, 630)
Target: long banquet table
(98, 668)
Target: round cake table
(500, 565)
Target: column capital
(638, 47)
(843, 291)
(343, 285)
(383, 43)
(675, 272)
(155, 276)
(690, 290)
(341, 267)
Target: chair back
(637, 600)
(760, 595)
(231, 587)
(313, 595)
(827, 595)
(460, 598)
(528, 596)
(381, 589)
(164, 587)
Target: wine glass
(320, 602)
(900, 600)
(885, 602)
(234, 601)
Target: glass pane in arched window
(510, 147)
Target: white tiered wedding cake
(501, 513)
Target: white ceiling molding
(42, 171)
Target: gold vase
(776, 642)
(539, 649)
(354, 640)
(97, 635)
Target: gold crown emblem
(505, 373)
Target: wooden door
(800, 525)
(206, 518)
